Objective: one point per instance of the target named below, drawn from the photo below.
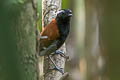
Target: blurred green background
(94, 42)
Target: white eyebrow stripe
(60, 11)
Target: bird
(55, 34)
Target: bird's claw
(55, 66)
(58, 69)
(62, 53)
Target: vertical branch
(79, 24)
(95, 59)
(39, 28)
(49, 8)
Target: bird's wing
(49, 34)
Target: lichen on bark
(26, 41)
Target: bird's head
(64, 14)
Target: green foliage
(21, 1)
(39, 14)
(8, 57)
(16, 1)
(65, 3)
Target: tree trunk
(95, 60)
(19, 58)
(49, 8)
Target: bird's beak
(70, 15)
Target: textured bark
(49, 8)
(26, 41)
(20, 58)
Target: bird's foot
(62, 53)
(55, 66)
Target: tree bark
(49, 8)
(26, 40)
(20, 57)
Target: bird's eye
(63, 13)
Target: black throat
(64, 28)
